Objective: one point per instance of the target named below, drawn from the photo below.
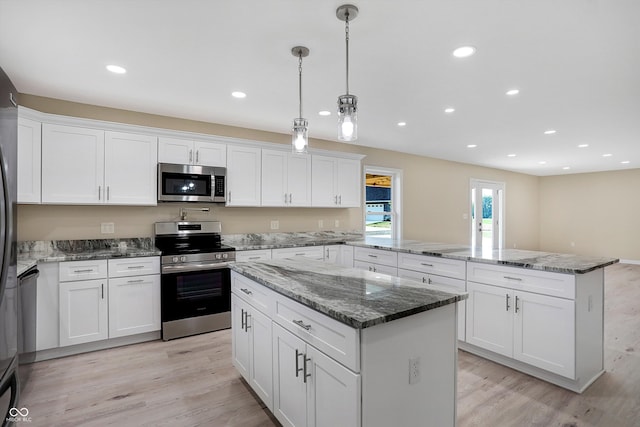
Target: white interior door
(487, 230)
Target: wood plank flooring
(191, 382)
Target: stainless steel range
(196, 280)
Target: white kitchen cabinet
(311, 252)
(251, 350)
(29, 160)
(339, 254)
(83, 311)
(376, 260)
(186, 152)
(310, 388)
(286, 178)
(90, 166)
(48, 307)
(335, 182)
(244, 173)
(490, 318)
(134, 305)
(130, 169)
(253, 255)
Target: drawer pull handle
(372, 256)
(426, 265)
(300, 254)
(135, 281)
(88, 270)
(302, 325)
(135, 267)
(519, 279)
(246, 291)
(254, 257)
(298, 368)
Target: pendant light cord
(346, 37)
(300, 81)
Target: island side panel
(388, 399)
(589, 327)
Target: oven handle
(193, 267)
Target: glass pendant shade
(347, 118)
(300, 137)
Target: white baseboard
(630, 261)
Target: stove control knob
(174, 259)
(225, 256)
(183, 258)
(218, 256)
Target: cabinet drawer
(377, 256)
(539, 282)
(434, 265)
(312, 252)
(253, 255)
(122, 267)
(376, 268)
(83, 270)
(337, 340)
(257, 295)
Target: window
(382, 203)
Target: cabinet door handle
(190, 156)
(302, 325)
(327, 253)
(102, 290)
(335, 199)
(242, 318)
(229, 197)
(305, 375)
(246, 321)
(426, 265)
(246, 291)
(298, 368)
(519, 279)
(99, 192)
(290, 198)
(374, 270)
(430, 280)
(508, 306)
(197, 156)
(108, 187)
(517, 303)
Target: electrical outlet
(320, 223)
(107, 228)
(337, 223)
(414, 370)
(275, 224)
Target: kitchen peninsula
(342, 346)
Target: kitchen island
(325, 345)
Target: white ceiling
(576, 63)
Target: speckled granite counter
(355, 297)
(32, 252)
(245, 242)
(544, 261)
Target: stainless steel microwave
(189, 183)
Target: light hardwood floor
(191, 382)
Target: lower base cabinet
(310, 388)
(83, 311)
(134, 305)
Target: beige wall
(597, 212)
(435, 196)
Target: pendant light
(347, 104)
(300, 137)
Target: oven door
(188, 294)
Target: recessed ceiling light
(116, 69)
(512, 92)
(464, 51)
(472, 146)
(542, 162)
(625, 162)
(511, 155)
(325, 113)
(238, 94)
(583, 145)
(607, 155)
(402, 124)
(566, 168)
(449, 110)
(550, 132)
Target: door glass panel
(379, 216)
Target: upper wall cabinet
(286, 178)
(336, 182)
(185, 152)
(244, 167)
(29, 148)
(90, 166)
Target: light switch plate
(107, 228)
(275, 224)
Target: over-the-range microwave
(190, 183)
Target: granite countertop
(544, 261)
(245, 242)
(32, 252)
(358, 298)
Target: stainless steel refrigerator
(9, 383)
